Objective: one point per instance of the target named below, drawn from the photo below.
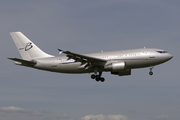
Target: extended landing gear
(151, 73)
(98, 77)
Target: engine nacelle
(122, 72)
(118, 68)
(115, 67)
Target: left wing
(84, 59)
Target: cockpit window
(162, 51)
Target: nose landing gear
(151, 73)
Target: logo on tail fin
(28, 46)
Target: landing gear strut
(98, 77)
(151, 73)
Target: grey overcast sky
(87, 26)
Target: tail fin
(27, 48)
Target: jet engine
(118, 68)
(115, 66)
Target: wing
(84, 59)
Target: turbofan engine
(118, 68)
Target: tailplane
(27, 49)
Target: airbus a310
(116, 62)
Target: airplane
(116, 62)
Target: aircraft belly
(140, 63)
(70, 68)
(130, 64)
(63, 68)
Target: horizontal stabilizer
(23, 62)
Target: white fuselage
(135, 58)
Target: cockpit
(162, 51)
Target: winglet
(60, 51)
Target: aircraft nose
(165, 57)
(169, 56)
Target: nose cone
(164, 58)
(169, 56)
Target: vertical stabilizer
(27, 48)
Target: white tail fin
(27, 48)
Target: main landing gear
(151, 73)
(98, 77)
